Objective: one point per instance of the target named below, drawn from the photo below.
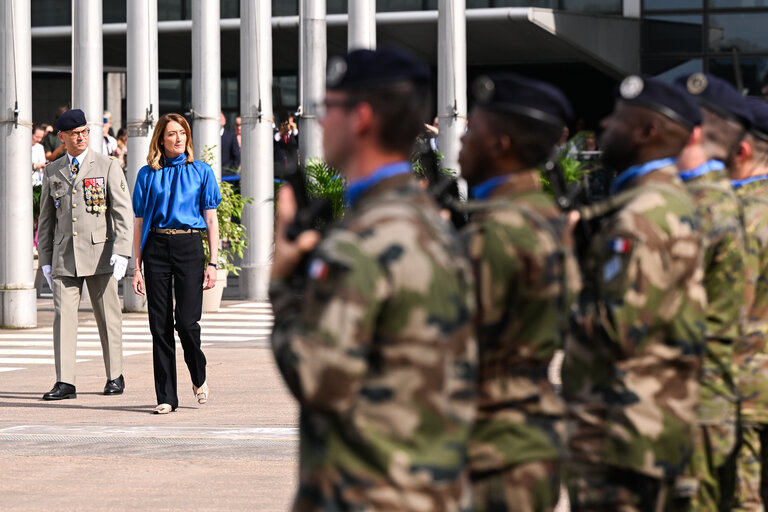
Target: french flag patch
(318, 269)
(620, 245)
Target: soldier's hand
(288, 254)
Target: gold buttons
(74, 205)
(74, 219)
(74, 233)
(74, 191)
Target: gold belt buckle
(172, 231)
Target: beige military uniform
(83, 222)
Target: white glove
(119, 265)
(47, 275)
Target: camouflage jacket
(725, 277)
(751, 354)
(526, 277)
(381, 356)
(630, 373)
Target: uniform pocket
(98, 238)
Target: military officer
(630, 373)
(85, 235)
(526, 277)
(727, 270)
(749, 174)
(378, 348)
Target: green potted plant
(232, 236)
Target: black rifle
(443, 186)
(311, 212)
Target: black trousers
(174, 263)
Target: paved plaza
(237, 452)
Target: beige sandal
(163, 409)
(201, 393)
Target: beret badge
(483, 89)
(337, 68)
(697, 83)
(631, 87)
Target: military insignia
(620, 245)
(57, 185)
(631, 87)
(612, 268)
(697, 83)
(318, 270)
(94, 194)
(337, 68)
(122, 185)
(483, 89)
(56, 203)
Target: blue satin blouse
(175, 196)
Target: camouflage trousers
(749, 469)
(596, 488)
(701, 485)
(529, 487)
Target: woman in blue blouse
(175, 199)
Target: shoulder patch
(318, 269)
(620, 245)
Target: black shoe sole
(113, 392)
(62, 397)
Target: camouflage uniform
(630, 374)
(751, 354)
(520, 254)
(380, 354)
(725, 280)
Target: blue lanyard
(486, 188)
(361, 186)
(705, 168)
(737, 184)
(639, 170)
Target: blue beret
(716, 95)
(71, 119)
(509, 93)
(369, 68)
(662, 97)
(759, 109)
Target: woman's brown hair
(156, 153)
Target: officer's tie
(75, 168)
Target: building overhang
(495, 37)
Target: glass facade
(724, 37)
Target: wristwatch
(212, 264)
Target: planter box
(212, 297)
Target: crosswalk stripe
(248, 323)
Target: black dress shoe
(61, 391)
(115, 387)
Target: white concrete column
(451, 79)
(18, 297)
(88, 67)
(631, 8)
(115, 95)
(206, 80)
(141, 105)
(256, 155)
(361, 26)
(313, 54)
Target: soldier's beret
(662, 97)
(369, 68)
(71, 119)
(759, 109)
(716, 95)
(509, 93)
